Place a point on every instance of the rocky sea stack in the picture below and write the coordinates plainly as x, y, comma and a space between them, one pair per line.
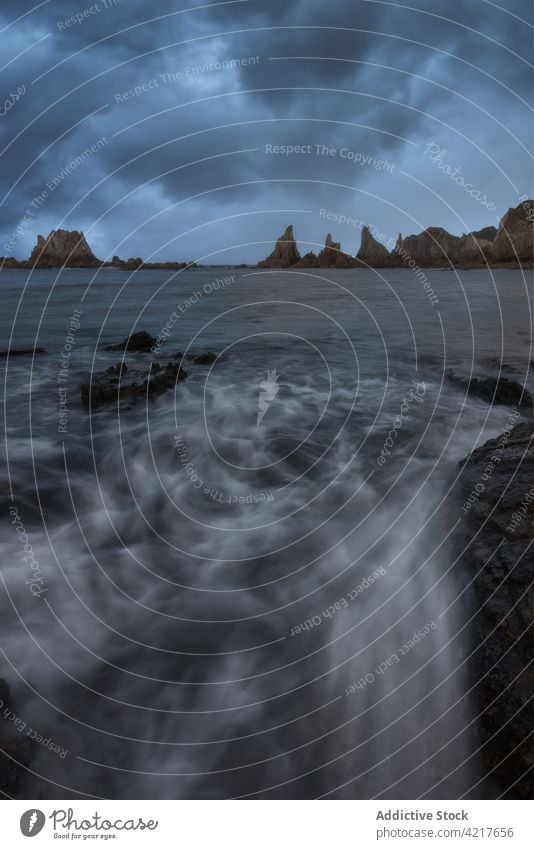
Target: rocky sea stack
285, 252
63, 248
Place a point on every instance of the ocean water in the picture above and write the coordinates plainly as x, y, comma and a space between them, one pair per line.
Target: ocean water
247, 586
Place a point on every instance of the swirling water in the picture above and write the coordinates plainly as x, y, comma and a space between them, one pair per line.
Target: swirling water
227, 608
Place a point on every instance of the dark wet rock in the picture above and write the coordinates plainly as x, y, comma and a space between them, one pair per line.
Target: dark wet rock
118, 368
21, 352
15, 755
205, 359
494, 390
106, 388
140, 341
497, 567
15, 749
495, 364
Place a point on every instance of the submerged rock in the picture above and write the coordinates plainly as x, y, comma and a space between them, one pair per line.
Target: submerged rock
140, 341
112, 386
204, 359
494, 390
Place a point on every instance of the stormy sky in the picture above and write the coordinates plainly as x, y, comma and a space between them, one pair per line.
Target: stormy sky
153, 127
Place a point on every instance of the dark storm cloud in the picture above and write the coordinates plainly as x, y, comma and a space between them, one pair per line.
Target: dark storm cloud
373, 78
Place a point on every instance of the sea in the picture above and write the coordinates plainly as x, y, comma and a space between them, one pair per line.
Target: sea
247, 587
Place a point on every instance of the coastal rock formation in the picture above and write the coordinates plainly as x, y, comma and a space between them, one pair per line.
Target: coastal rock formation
509, 246
495, 546
122, 383
10, 262
285, 253
139, 341
67, 248
118, 384
494, 390
373, 253
136, 263
515, 237
487, 234
309, 260
332, 256
435, 247
131, 264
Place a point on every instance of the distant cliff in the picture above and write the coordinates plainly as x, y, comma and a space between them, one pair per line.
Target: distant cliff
510, 245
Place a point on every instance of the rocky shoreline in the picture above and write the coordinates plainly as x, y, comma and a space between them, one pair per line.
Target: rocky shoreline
495, 568
509, 246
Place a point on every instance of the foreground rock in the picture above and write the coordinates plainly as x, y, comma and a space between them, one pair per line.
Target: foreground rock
494, 390
21, 352
15, 749
63, 248
285, 252
495, 544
